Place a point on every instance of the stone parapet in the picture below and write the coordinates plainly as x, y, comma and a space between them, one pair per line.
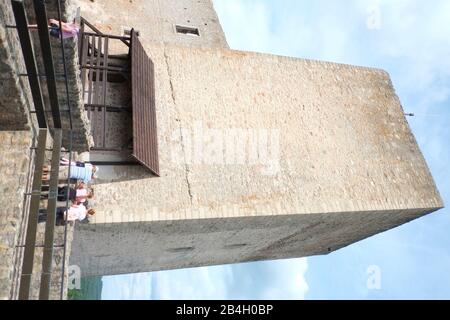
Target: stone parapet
15, 97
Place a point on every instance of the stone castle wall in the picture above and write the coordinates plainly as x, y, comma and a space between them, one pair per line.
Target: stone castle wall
122, 248
338, 126
15, 97
81, 138
17, 132
16, 167
14, 170
337, 163
156, 20
15, 141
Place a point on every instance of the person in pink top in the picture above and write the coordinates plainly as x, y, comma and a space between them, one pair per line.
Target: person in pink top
77, 195
81, 195
69, 29
75, 212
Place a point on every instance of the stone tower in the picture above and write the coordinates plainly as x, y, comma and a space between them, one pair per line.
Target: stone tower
261, 157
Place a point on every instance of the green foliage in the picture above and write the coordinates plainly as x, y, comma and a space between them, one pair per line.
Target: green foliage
74, 294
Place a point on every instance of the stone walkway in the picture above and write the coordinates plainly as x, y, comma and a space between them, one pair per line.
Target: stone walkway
15, 155
14, 168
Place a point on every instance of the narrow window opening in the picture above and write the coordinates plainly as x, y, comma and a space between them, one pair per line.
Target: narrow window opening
188, 30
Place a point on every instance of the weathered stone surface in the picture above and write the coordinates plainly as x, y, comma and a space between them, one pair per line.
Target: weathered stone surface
58, 257
14, 160
327, 156
16, 157
342, 165
120, 248
15, 97
16, 166
14, 90
156, 20
81, 138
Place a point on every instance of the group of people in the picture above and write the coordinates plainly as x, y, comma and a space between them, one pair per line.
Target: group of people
78, 173
81, 175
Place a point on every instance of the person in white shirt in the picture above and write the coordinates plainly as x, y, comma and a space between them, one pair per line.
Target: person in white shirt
75, 212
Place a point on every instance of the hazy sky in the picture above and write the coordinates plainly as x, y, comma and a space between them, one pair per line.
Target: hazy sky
411, 40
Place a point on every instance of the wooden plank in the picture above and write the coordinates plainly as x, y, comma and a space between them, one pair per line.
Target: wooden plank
154, 129
83, 58
105, 83
81, 44
90, 85
108, 108
90, 25
30, 241
125, 40
98, 82
47, 260
145, 138
92, 89
97, 91
110, 69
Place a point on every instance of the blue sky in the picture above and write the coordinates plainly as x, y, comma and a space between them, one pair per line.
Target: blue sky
411, 40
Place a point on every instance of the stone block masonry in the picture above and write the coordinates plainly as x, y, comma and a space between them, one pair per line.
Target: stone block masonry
15, 97
14, 168
15, 142
339, 164
156, 20
82, 139
16, 136
262, 157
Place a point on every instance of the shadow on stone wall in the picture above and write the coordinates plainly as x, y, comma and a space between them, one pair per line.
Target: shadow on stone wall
110, 174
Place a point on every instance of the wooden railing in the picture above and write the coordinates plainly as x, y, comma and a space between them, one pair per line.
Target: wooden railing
40, 149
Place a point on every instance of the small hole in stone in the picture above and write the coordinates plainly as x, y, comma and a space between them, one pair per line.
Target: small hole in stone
180, 250
235, 246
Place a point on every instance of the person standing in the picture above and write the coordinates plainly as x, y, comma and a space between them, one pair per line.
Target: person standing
75, 212
69, 29
79, 194
85, 174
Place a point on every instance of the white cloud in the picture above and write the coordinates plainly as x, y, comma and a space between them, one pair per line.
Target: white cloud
288, 281
127, 287
199, 283
245, 18
327, 30
267, 280
262, 281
